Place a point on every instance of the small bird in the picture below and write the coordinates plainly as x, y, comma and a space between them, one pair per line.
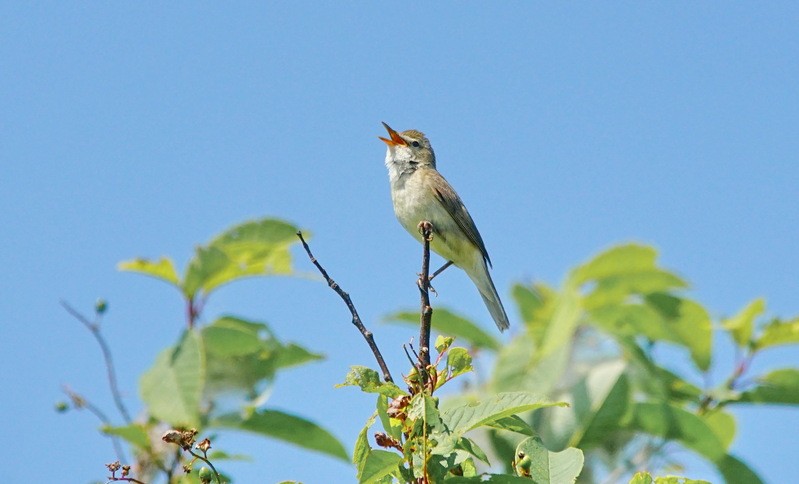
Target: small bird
419, 193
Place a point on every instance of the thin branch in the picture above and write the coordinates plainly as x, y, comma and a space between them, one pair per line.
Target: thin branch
94, 329
79, 402
408, 355
426, 228
356, 320
113, 467
125, 479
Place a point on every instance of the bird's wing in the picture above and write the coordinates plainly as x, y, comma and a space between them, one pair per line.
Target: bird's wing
452, 203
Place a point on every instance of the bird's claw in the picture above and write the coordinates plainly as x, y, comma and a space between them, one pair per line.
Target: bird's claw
426, 229
429, 286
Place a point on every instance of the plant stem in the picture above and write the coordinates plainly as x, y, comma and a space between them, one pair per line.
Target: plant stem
94, 329
78, 401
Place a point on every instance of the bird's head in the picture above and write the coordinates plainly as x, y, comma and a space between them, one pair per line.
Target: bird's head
409, 149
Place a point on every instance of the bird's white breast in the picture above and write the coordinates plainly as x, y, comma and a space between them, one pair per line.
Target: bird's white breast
415, 201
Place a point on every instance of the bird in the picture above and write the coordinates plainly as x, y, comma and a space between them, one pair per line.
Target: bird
420, 193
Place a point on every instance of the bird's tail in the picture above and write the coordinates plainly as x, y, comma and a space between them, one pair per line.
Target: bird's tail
482, 279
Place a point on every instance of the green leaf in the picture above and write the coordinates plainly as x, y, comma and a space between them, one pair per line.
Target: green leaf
230, 336
533, 460
530, 300
633, 320
674, 423
163, 269
536, 305
603, 405
459, 361
393, 427
597, 402
690, 324
517, 368
443, 343
655, 381
472, 448
662, 317
645, 478
429, 428
241, 355
370, 382
488, 478
134, 434
779, 386
173, 386
379, 464
513, 423
679, 480
737, 472
723, 426
293, 354
742, 324
254, 248
288, 428
448, 323
560, 330
424, 409
216, 455
617, 261
207, 264
616, 289
469, 416
362, 446
778, 333
468, 468
621, 272
642, 478
257, 236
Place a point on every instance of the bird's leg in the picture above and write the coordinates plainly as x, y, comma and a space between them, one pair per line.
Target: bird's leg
430, 279
440, 270
429, 286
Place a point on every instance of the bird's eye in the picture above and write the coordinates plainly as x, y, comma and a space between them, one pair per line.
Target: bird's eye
415, 144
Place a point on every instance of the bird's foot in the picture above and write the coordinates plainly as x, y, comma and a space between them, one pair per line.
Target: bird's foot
421, 284
426, 229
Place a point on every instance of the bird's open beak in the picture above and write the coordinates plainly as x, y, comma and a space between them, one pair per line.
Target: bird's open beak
396, 139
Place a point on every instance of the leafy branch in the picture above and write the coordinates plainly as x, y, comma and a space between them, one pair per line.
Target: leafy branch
230, 358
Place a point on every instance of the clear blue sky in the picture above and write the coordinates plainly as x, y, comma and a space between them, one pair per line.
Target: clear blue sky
136, 129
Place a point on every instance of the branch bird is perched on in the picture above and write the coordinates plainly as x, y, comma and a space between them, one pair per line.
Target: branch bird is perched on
419, 192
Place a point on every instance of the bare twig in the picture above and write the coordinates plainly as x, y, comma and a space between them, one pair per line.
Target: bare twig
426, 228
113, 467
79, 402
125, 479
94, 329
356, 320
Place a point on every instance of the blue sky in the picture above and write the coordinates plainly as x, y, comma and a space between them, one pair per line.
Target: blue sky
136, 129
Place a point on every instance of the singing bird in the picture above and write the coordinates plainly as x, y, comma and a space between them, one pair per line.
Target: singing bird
419, 193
